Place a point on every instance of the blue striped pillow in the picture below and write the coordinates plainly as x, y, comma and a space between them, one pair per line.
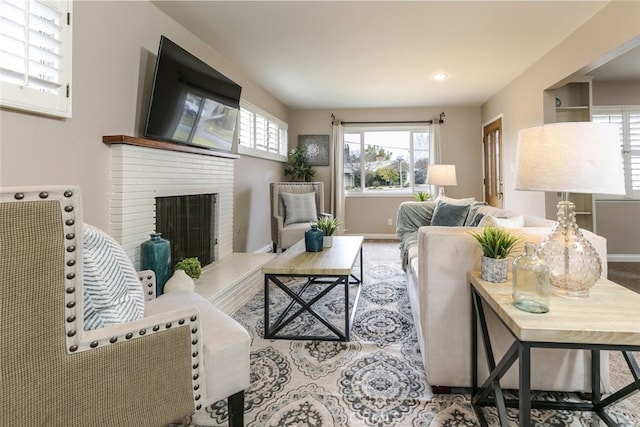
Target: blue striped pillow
112, 292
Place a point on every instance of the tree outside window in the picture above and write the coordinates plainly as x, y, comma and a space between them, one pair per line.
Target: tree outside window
390, 160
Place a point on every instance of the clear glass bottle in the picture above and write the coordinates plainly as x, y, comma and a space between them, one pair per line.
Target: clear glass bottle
530, 281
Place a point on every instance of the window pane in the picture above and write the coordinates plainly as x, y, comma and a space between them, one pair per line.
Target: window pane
393, 160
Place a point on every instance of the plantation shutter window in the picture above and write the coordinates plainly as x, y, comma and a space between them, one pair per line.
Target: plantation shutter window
628, 120
35, 56
261, 135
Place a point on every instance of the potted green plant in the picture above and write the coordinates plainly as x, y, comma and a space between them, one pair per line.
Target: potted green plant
298, 168
328, 225
421, 196
191, 266
496, 244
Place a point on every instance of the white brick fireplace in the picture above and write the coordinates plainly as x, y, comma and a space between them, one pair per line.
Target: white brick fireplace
140, 174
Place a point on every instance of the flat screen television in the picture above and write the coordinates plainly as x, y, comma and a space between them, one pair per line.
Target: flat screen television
191, 103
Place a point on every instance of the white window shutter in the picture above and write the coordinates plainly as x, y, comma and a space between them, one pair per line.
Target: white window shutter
35, 56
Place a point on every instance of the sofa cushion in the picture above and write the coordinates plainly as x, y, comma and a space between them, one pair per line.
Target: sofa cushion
299, 207
511, 222
474, 217
111, 289
452, 201
449, 214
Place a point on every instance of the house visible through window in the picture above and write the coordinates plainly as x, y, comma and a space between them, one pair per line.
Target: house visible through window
628, 119
386, 160
261, 135
35, 56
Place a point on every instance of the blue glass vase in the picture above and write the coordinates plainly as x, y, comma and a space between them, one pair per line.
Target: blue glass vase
155, 254
313, 239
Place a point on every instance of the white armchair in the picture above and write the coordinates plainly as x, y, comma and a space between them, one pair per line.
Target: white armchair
181, 355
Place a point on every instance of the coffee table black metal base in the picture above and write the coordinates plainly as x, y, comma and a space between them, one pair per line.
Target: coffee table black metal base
299, 305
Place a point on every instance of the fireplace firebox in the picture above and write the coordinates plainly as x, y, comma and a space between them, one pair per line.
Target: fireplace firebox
189, 223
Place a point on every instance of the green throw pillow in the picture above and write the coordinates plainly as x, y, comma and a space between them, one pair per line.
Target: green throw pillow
449, 215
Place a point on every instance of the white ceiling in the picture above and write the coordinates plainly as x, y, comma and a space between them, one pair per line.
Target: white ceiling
366, 54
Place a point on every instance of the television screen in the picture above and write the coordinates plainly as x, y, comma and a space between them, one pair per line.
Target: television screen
191, 103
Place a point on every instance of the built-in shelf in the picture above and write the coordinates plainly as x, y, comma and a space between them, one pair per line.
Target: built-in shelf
162, 145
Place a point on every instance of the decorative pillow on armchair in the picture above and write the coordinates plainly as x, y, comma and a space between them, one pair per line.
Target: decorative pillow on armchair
299, 207
450, 215
111, 289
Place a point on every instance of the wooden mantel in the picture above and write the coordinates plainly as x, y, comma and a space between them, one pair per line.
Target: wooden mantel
162, 145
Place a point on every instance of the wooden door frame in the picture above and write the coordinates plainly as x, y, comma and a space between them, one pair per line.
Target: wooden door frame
495, 197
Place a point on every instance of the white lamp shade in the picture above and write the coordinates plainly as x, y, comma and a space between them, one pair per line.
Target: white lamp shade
441, 175
574, 157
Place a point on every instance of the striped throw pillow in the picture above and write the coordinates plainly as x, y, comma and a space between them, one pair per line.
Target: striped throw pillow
112, 291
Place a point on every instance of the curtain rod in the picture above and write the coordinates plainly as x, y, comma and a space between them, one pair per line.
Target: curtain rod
439, 121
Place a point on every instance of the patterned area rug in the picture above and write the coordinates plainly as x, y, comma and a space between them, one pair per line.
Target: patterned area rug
376, 379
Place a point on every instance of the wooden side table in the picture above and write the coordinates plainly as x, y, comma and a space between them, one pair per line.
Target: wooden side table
609, 319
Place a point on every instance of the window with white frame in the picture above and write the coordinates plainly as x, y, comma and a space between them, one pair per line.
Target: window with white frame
35, 56
261, 135
386, 159
628, 119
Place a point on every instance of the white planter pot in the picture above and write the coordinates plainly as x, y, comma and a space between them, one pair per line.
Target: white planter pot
327, 241
494, 270
180, 281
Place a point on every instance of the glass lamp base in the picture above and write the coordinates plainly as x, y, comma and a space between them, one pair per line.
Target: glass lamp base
574, 264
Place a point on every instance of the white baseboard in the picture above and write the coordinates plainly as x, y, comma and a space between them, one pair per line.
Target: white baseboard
623, 257
264, 250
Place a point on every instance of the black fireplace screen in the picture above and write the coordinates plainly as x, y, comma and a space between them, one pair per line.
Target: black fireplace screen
189, 224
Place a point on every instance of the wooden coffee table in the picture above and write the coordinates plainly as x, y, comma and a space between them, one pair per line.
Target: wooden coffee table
608, 319
329, 268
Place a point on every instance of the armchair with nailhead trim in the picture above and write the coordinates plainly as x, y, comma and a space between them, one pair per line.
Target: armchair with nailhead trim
183, 355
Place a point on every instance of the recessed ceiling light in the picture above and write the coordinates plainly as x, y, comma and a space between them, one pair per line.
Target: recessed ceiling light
439, 76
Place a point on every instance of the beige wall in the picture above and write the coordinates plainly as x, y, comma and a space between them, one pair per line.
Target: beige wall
616, 93
114, 48
619, 222
461, 145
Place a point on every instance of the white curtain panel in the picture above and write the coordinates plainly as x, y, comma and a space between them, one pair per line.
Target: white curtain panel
435, 151
337, 178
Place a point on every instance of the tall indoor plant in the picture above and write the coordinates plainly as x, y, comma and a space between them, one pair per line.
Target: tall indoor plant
496, 244
298, 168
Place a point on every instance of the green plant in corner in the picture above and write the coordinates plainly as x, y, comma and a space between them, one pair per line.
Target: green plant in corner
298, 169
191, 266
495, 242
327, 224
421, 196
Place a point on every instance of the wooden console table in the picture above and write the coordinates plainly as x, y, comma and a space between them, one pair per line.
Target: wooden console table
608, 319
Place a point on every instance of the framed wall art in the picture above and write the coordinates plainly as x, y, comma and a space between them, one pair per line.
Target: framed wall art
316, 147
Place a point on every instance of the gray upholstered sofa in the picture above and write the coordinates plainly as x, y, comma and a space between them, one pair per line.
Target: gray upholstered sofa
436, 260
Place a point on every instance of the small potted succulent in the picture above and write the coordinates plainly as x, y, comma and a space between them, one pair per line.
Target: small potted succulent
328, 225
496, 244
421, 196
191, 266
